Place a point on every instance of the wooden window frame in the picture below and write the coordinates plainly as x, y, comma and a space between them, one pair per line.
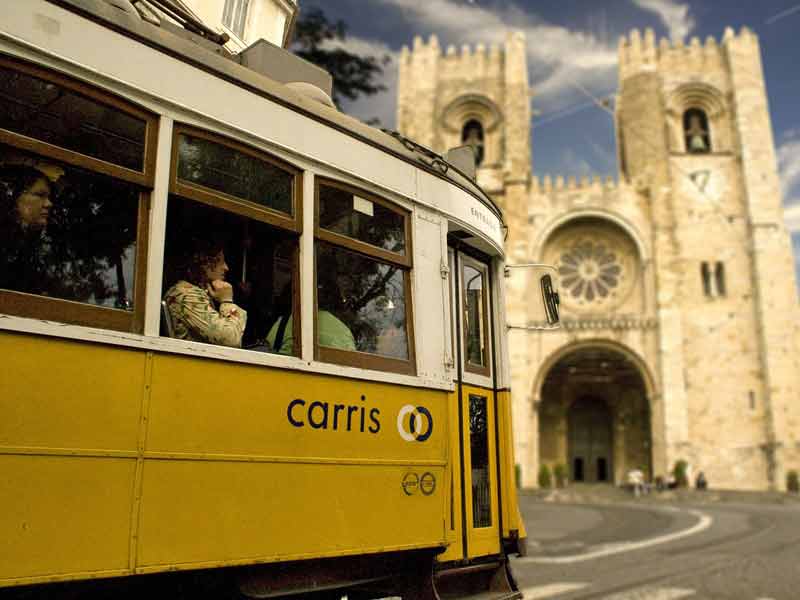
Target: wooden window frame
144, 178
245, 208
240, 206
358, 359
72, 312
361, 247
484, 268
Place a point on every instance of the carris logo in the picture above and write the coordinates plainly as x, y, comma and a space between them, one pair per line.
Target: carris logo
414, 423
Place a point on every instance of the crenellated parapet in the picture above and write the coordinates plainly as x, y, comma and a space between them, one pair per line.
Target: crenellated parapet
638, 53
595, 184
466, 61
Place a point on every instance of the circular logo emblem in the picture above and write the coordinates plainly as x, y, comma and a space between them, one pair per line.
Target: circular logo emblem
427, 483
410, 483
414, 423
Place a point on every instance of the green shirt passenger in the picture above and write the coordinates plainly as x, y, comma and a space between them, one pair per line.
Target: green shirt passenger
331, 332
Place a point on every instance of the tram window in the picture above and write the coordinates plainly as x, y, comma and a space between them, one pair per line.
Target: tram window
363, 280
75, 170
53, 113
234, 172
364, 219
479, 459
362, 304
231, 257
67, 233
475, 318
259, 266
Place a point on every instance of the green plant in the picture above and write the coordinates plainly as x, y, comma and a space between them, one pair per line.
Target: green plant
518, 475
545, 478
560, 472
680, 473
793, 482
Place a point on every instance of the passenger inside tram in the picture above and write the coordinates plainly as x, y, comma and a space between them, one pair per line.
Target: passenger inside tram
331, 331
59, 244
254, 268
201, 303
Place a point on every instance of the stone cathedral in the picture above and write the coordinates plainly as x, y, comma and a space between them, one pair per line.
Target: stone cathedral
678, 295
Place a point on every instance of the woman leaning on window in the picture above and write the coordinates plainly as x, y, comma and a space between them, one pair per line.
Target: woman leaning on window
201, 303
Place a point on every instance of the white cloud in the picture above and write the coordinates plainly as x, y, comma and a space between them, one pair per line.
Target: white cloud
789, 165
557, 56
789, 169
674, 15
574, 165
381, 106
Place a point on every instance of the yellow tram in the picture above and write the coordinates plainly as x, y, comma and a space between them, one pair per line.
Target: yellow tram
326, 407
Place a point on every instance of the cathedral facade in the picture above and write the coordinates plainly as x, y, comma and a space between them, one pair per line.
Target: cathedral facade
678, 295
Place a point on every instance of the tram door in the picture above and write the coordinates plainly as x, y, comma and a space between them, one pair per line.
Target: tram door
475, 403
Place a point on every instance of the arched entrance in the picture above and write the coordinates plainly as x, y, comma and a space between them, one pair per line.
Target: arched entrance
594, 416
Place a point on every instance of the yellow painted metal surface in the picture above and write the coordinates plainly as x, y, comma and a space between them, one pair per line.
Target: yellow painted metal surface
481, 541
62, 515
510, 507
453, 520
115, 461
61, 394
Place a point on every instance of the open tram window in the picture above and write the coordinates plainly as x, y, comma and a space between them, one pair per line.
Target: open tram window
231, 258
73, 214
363, 280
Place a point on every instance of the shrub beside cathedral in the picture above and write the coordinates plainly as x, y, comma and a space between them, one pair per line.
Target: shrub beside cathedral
677, 283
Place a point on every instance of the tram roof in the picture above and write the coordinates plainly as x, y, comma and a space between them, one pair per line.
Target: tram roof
226, 68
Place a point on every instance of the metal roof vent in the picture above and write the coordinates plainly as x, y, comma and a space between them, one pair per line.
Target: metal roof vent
312, 92
283, 66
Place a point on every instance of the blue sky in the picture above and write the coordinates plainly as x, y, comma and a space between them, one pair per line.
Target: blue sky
575, 41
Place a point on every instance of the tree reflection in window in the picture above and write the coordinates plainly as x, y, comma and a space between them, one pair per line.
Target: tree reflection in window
85, 248
365, 295
238, 174
479, 455
475, 318
589, 270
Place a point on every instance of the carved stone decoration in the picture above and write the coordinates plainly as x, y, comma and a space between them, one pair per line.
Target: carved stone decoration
597, 265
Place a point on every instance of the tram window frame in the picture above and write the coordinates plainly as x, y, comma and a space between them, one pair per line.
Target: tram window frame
465, 259
240, 206
246, 208
74, 312
360, 359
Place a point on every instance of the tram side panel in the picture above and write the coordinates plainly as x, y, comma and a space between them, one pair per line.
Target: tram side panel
280, 465
237, 464
69, 428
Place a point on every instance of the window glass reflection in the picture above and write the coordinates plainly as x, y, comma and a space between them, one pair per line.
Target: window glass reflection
479, 458
67, 233
362, 219
54, 114
474, 316
361, 303
235, 173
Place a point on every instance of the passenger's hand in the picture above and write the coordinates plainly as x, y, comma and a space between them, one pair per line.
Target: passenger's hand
220, 290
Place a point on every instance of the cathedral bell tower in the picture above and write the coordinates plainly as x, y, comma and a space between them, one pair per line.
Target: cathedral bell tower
694, 135
476, 96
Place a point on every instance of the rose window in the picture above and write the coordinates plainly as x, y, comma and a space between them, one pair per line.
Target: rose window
589, 270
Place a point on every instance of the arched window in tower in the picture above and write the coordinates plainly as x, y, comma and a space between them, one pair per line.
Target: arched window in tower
695, 131
472, 135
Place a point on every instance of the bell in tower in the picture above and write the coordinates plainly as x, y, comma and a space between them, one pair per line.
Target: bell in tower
472, 135
695, 125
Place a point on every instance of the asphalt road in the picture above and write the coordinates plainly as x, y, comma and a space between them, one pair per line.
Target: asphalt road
641, 551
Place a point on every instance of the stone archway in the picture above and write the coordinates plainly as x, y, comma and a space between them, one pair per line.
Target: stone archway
594, 415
